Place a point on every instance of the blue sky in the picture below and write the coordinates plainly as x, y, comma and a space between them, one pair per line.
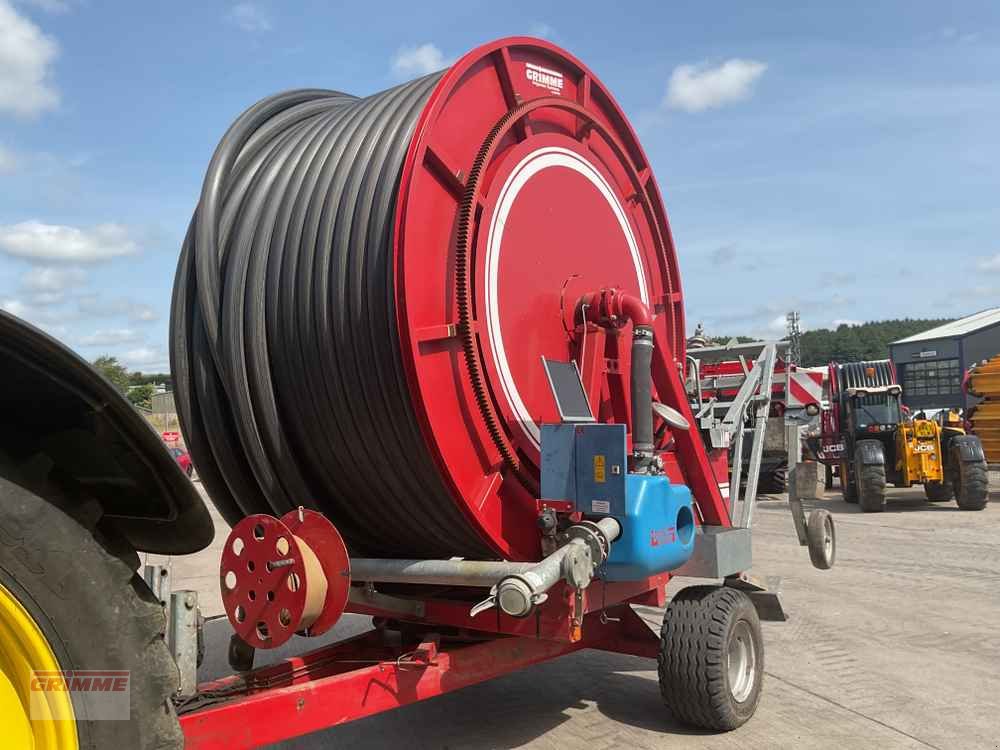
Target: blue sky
836, 158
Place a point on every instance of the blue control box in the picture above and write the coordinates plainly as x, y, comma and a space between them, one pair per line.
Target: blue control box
586, 464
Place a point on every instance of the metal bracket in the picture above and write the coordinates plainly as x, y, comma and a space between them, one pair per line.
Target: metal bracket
367, 595
766, 601
185, 638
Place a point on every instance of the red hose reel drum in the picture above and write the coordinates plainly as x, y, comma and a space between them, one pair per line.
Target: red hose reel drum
524, 188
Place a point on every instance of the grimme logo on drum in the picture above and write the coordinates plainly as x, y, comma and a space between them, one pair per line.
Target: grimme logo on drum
544, 77
103, 694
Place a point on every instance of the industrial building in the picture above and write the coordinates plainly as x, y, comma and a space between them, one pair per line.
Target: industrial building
931, 365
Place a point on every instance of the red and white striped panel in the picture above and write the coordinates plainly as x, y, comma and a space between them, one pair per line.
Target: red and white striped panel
804, 388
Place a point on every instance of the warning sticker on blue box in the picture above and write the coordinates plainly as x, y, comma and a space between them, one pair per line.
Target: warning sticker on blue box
600, 506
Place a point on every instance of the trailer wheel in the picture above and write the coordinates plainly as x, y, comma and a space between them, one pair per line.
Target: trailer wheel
870, 481
939, 492
822, 539
847, 487
711, 661
70, 600
970, 480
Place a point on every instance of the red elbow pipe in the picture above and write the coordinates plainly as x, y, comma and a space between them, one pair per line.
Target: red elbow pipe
613, 306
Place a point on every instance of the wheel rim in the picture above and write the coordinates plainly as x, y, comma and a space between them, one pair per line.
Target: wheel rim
24, 649
828, 538
742, 662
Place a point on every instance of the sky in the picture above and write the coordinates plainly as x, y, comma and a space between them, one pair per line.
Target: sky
840, 159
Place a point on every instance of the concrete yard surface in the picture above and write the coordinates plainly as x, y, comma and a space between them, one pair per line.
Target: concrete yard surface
898, 646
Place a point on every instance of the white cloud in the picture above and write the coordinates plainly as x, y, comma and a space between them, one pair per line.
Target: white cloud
37, 314
50, 279
8, 161
96, 306
990, 264
410, 62
26, 57
250, 17
45, 299
149, 358
111, 337
778, 324
15, 307
43, 243
695, 88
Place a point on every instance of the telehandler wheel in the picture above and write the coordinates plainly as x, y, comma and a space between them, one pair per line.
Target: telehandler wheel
870, 481
847, 486
711, 661
821, 539
939, 492
70, 600
970, 479
773, 482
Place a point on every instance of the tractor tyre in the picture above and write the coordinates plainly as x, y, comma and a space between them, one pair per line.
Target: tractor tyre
773, 482
970, 479
939, 492
711, 660
870, 481
70, 599
847, 486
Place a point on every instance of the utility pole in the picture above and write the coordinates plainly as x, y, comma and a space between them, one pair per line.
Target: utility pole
794, 332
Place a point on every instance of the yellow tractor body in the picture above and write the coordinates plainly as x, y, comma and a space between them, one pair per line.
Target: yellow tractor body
918, 452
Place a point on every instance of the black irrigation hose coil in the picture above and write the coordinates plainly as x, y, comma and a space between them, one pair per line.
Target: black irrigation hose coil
289, 382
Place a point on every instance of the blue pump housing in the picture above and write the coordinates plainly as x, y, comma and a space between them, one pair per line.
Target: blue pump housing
657, 529
586, 464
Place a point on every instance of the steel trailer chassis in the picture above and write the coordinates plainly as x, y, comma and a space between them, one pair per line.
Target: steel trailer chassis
427, 656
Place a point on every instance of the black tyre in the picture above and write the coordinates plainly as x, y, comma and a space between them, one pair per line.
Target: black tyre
80, 588
821, 538
847, 486
969, 478
711, 661
870, 481
939, 492
773, 482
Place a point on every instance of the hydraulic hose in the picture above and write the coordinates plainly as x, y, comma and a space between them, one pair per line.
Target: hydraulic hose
611, 307
641, 388
288, 375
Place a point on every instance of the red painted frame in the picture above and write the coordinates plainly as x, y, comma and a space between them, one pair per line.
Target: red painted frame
326, 687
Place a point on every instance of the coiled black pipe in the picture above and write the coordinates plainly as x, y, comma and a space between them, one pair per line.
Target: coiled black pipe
285, 354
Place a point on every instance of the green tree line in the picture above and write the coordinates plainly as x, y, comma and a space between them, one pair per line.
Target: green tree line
850, 343
853, 343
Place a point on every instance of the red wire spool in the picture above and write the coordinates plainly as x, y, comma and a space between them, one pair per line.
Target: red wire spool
283, 576
519, 187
